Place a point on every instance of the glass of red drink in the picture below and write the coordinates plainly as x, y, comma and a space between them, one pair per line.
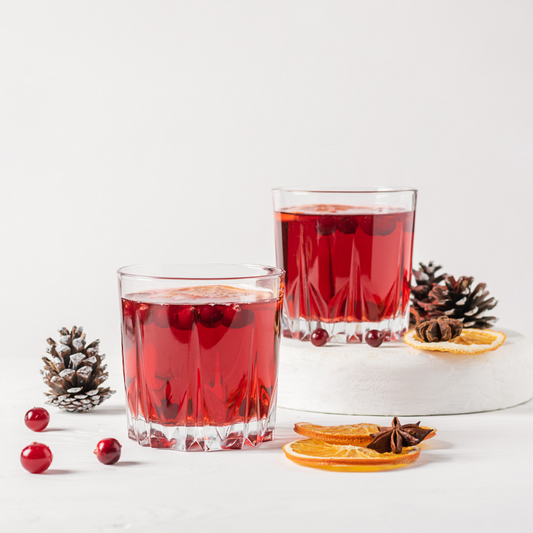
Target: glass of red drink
200, 353
347, 256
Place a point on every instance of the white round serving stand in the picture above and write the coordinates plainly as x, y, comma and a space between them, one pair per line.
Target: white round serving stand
396, 379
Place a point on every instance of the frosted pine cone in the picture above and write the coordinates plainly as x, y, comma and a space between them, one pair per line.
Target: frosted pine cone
74, 372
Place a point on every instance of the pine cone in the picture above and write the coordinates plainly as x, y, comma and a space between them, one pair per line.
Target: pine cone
456, 299
425, 281
440, 330
75, 372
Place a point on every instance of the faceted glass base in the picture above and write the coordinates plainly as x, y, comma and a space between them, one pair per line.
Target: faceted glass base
345, 332
206, 438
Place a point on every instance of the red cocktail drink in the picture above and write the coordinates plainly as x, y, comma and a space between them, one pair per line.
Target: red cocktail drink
200, 365
348, 269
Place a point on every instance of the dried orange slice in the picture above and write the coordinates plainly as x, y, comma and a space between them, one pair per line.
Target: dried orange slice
202, 294
317, 453
471, 341
354, 434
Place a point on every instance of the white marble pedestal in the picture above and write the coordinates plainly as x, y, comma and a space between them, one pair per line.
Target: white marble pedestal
396, 379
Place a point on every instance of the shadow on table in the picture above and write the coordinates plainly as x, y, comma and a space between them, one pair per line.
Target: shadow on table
128, 463
433, 458
282, 436
57, 472
435, 444
110, 410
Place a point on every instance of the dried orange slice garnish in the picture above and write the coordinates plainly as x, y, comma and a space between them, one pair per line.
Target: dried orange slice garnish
354, 434
317, 453
471, 341
205, 294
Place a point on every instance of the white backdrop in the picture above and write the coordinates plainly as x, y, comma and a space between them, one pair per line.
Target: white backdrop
153, 131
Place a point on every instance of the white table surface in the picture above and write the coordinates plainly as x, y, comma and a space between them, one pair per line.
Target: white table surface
476, 475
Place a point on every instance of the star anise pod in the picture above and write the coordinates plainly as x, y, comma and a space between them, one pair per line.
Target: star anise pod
440, 330
393, 439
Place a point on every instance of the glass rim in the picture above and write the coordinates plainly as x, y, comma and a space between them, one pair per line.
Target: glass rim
270, 271
347, 190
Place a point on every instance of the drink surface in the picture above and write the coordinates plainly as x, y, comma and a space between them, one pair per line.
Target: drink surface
345, 263
201, 294
200, 356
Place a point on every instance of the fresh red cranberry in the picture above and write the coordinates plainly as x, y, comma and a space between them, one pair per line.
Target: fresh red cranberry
374, 338
108, 451
211, 315
36, 458
144, 313
37, 418
319, 337
347, 225
326, 225
160, 315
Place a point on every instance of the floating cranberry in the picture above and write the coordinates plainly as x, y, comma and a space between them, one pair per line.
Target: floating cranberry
319, 337
36, 458
128, 312
245, 318
128, 308
37, 418
231, 315
182, 317
236, 317
326, 225
187, 317
144, 313
160, 315
374, 338
347, 225
108, 451
382, 225
366, 223
211, 315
